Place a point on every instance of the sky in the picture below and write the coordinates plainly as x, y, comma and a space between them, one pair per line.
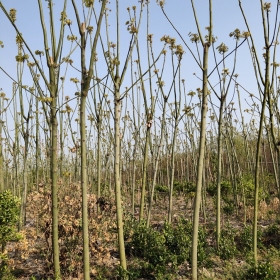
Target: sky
226, 18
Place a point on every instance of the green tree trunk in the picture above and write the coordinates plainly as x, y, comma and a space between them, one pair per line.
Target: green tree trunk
200, 163
54, 171
117, 140
1, 147
86, 78
144, 175
84, 186
202, 140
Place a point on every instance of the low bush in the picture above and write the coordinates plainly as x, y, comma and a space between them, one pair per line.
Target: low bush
9, 215
160, 252
271, 236
244, 240
246, 185
264, 271
227, 246
228, 208
161, 189
212, 189
185, 187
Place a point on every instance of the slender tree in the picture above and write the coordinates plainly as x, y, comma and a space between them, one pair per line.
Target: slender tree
264, 97
53, 60
86, 78
204, 108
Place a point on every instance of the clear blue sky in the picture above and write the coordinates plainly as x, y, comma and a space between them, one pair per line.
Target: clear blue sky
226, 17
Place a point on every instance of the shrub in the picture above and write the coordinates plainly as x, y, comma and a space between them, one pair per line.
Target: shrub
246, 183
264, 271
5, 271
229, 208
178, 241
162, 189
212, 189
160, 252
227, 247
9, 215
149, 245
226, 189
271, 236
244, 241
186, 187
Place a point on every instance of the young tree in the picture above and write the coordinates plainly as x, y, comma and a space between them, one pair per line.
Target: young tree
53, 61
86, 78
2, 96
265, 86
205, 43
